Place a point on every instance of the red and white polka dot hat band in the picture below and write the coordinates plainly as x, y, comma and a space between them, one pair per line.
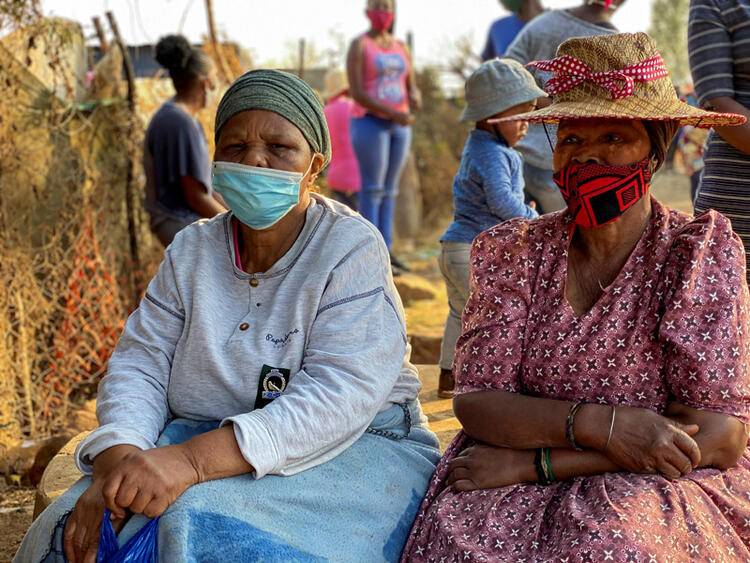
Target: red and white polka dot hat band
620, 76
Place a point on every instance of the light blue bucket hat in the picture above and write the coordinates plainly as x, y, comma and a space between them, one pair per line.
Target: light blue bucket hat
497, 85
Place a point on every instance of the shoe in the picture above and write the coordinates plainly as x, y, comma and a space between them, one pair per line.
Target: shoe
446, 384
403, 266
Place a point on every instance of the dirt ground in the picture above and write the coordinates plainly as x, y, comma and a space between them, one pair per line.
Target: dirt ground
16, 507
424, 317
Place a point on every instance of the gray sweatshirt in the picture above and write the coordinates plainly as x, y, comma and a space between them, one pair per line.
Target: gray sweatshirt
318, 340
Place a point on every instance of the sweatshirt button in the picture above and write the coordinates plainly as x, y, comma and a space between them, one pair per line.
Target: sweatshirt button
254, 282
244, 326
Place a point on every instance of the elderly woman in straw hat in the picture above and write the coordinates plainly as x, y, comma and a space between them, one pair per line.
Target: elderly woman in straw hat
261, 399
602, 368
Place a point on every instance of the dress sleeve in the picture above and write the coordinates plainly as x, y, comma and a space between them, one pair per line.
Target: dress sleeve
710, 51
705, 324
132, 405
354, 356
490, 348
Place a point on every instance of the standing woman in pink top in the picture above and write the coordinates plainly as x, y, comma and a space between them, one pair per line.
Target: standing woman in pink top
381, 81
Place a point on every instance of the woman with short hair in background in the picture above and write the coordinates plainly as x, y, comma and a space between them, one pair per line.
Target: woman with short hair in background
504, 30
175, 153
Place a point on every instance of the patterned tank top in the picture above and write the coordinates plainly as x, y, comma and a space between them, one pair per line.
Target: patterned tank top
385, 72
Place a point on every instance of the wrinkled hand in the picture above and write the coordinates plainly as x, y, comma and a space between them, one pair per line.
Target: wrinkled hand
148, 482
488, 467
646, 442
81, 536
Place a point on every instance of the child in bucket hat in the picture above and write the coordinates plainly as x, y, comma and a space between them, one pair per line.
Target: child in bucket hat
488, 188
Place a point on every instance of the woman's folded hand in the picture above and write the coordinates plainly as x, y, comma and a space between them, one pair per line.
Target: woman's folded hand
148, 482
489, 467
646, 442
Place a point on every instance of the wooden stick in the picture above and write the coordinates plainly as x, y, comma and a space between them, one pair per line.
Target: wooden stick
129, 191
218, 54
301, 67
103, 43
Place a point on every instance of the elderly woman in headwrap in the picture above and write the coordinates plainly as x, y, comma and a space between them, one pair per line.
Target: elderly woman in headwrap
603, 363
261, 399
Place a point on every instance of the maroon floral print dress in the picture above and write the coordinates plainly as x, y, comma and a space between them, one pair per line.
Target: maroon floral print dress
673, 326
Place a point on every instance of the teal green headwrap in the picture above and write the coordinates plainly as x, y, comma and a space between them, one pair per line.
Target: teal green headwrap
282, 93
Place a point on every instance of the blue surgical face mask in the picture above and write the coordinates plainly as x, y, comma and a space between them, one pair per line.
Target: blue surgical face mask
258, 197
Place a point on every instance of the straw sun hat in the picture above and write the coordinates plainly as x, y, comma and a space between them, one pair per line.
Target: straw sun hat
618, 76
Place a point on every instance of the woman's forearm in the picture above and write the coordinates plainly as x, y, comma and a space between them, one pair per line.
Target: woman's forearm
511, 420
216, 455
199, 199
567, 464
738, 136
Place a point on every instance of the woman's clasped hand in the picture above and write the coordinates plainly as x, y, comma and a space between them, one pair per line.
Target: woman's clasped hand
646, 442
148, 482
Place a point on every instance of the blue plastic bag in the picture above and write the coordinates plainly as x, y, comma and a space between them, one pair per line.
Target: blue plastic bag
141, 548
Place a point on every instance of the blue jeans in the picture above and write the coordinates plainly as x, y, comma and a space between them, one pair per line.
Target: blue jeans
382, 148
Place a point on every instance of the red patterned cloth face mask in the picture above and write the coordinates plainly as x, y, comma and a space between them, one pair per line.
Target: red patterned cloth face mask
598, 194
380, 20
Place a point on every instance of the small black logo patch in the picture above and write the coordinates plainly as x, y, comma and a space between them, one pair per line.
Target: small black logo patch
271, 385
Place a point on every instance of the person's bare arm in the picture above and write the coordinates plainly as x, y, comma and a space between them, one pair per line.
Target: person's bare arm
148, 482
738, 136
489, 467
354, 71
216, 455
642, 440
199, 199
415, 96
512, 420
722, 441
722, 438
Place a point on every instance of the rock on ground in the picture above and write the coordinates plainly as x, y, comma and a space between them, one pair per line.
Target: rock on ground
412, 287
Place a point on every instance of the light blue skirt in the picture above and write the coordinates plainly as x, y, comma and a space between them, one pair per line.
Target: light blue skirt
356, 507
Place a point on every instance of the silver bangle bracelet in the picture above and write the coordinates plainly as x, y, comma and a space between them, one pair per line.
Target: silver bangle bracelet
611, 427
